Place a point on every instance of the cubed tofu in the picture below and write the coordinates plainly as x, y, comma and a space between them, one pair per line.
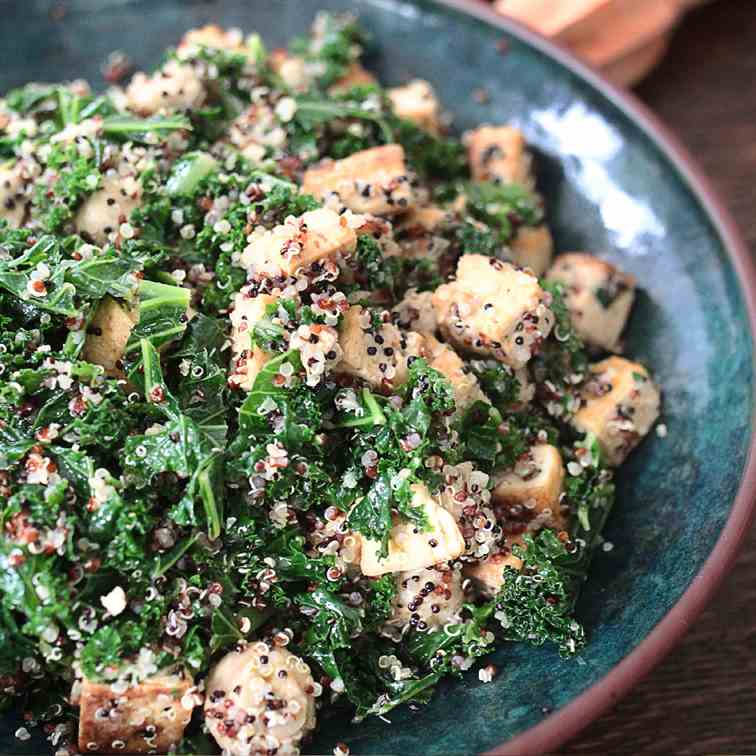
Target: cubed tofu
371, 181
260, 699
418, 232
300, 242
427, 599
410, 548
147, 718
492, 308
376, 355
620, 405
498, 153
532, 247
176, 86
13, 201
293, 70
422, 218
355, 76
416, 101
247, 360
598, 295
102, 213
108, 334
466, 388
487, 575
415, 312
533, 489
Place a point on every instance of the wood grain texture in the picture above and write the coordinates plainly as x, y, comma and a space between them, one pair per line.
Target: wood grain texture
702, 698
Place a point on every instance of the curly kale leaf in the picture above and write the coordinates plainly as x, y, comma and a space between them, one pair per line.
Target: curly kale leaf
432, 157
474, 239
502, 207
180, 446
498, 382
589, 495
77, 177
374, 271
202, 389
535, 605
562, 362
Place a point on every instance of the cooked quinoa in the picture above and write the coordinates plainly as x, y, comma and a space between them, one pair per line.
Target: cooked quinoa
296, 412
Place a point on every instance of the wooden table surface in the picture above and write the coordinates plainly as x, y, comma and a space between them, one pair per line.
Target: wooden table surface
702, 698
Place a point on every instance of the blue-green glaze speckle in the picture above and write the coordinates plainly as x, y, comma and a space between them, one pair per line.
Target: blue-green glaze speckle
610, 190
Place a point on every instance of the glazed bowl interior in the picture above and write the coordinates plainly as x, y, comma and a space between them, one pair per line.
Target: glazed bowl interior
610, 188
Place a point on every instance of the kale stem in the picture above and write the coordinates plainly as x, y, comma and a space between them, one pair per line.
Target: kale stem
120, 125
375, 411
211, 509
174, 556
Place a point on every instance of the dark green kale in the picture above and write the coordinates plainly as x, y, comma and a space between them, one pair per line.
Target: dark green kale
535, 605
589, 495
561, 365
75, 177
503, 207
60, 104
387, 458
498, 382
162, 317
475, 239
432, 157
376, 272
199, 369
180, 446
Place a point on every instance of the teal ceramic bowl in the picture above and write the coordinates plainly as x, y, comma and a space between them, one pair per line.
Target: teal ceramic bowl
616, 184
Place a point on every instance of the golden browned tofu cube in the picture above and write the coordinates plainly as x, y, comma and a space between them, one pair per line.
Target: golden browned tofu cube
498, 153
13, 201
598, 295
443, 358
532, 491
488, 574
532, 247
492, 308
247, 360
260, 699
415, 312
371, 181
147, 718
409, 547
376, 355
427, 607
176, 86
108, 334
417, 102
620, 405
300, 242
102, 213
418, 232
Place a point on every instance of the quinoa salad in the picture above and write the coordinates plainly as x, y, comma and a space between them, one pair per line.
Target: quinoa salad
299, 412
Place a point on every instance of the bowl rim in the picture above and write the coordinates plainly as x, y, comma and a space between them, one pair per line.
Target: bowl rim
565, 723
